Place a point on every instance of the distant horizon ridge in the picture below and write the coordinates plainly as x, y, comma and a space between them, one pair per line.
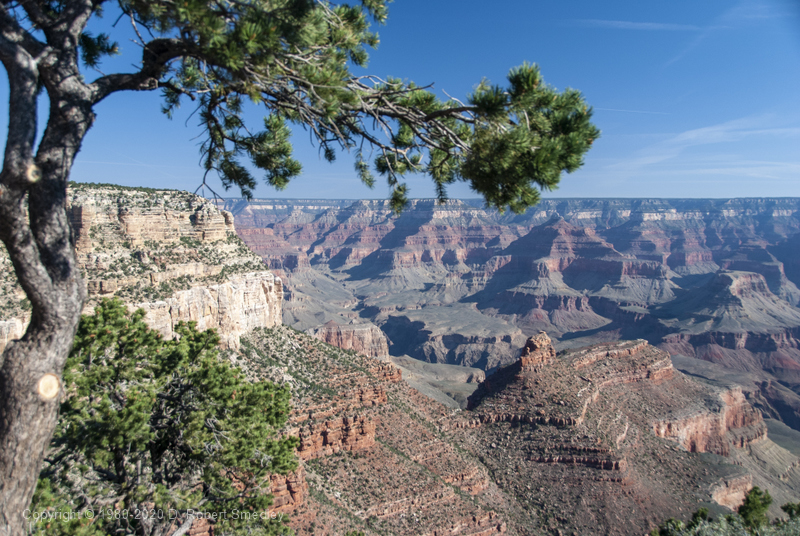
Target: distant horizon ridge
471, 199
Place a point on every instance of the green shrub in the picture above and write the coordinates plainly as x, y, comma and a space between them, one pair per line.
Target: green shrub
793, 509
162, 427
755, 506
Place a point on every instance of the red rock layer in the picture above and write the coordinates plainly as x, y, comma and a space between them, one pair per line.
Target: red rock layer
366, 339
386, 372
335, 435
483, 525
538, 350
371, 447
552, 268
736, 424
288, 491
584, 426
539, 390
277, 253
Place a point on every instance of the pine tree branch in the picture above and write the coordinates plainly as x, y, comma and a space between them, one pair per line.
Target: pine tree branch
156, 56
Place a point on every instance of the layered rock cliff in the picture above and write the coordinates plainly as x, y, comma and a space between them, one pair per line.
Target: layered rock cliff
365, 339
615, 424
734, 423
171, 253
369, 446
237, 306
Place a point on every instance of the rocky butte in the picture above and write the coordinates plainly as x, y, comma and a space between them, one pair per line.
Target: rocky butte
605, 439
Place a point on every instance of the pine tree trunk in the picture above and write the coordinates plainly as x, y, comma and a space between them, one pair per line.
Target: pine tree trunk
35, 229
27, 418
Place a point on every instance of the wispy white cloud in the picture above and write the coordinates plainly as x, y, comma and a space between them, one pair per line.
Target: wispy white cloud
744, 13
728, 132
691, 175
756, 10
630, 111
631, 25
778, 171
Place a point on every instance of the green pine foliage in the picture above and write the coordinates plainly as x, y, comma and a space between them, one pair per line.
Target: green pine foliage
754, 508
792, 509
527, 133
729, 526
294, 59
158, 428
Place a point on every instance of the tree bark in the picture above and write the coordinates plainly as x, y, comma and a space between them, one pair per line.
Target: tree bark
35, 229
36, 232
34, 226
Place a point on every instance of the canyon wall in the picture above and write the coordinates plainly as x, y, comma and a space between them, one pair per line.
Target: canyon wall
171, 253
233, 308
603, 424
610, 434
369, 446
712, 279
735, 423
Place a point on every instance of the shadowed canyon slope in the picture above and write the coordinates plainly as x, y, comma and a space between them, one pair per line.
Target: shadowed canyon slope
714, 280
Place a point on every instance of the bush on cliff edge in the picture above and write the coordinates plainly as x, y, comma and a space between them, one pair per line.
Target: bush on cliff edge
750, 521
154, 430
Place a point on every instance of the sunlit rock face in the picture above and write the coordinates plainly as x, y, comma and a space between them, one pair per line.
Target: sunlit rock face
171, 253
366, 339
238, 306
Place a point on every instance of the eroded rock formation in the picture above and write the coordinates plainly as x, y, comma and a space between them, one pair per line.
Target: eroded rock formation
538, 351
617, 421
734, 423
599, 440
335, 435
711, 279
289, 492
370, 445
366, 339
241, 304
171, 253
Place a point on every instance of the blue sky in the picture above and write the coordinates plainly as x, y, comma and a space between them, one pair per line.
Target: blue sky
694, 99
